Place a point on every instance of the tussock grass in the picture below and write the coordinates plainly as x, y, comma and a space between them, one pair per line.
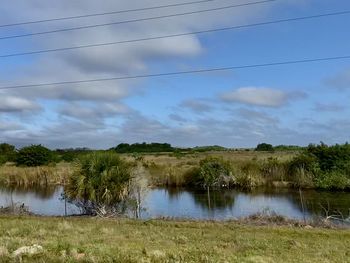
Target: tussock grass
35, 176
102, 240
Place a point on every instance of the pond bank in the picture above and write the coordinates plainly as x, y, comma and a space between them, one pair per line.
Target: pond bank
123, 240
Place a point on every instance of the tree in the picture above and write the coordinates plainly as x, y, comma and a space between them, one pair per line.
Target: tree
34, 155
7, 153
100, 183
264, 147
214, 171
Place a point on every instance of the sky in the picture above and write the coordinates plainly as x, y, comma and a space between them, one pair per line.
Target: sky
294, 104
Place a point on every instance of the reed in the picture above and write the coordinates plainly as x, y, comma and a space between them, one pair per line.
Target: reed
35, 176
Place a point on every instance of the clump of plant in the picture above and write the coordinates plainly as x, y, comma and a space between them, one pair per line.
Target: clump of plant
214, 172
7, 153
333, 180
100, 183
323, 166
248, 175
303, 169
34, 155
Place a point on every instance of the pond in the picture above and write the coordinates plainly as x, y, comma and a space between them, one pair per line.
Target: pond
194, 204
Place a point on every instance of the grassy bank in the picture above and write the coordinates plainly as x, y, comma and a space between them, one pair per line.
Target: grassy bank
102, 240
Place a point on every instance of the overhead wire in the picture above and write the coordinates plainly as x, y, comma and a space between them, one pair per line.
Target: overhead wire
176, 73
178, 35
105, 13
136, 20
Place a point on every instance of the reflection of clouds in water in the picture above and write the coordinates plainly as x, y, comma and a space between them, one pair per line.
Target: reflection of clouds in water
247, 205
235, 204
49, 203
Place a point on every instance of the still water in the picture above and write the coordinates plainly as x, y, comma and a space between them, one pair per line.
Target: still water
191, 203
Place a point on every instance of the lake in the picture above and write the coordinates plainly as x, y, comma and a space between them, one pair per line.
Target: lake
194, 204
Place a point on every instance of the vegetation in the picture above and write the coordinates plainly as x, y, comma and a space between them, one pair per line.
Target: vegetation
100, 181
7, 153
70, 155
214, 148
316, 166
288, 148
103, 240
143, 148
214, 172
264, 147
34, 155
35, 176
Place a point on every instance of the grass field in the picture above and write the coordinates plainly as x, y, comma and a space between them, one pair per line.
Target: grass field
122, 240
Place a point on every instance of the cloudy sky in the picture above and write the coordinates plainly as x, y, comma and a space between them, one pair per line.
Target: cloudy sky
286, 104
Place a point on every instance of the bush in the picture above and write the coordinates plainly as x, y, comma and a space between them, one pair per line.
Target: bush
7, 153
331, 157
333, 180
264, 147
100, 180
214, 171
304, 161
35, 155
324, 166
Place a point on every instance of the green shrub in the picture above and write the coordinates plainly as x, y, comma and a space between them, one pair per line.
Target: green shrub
100, 180
264, 147
214, 172
335, 157
7, 153
333, 180
305, 162
34, 155
3, 159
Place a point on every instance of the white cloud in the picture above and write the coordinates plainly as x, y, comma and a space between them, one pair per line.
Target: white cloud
16, 104
266, 97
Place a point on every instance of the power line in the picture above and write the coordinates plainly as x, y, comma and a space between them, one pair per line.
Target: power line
179, 72
136, 20
105, 13
177, 35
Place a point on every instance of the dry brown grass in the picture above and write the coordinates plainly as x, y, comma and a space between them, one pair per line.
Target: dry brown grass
27, 176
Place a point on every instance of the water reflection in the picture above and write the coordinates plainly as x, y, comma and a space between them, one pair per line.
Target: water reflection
41, 201
226, 204
192, 203
37, 191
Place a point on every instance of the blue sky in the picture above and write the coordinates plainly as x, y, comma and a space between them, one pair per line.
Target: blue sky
289, 104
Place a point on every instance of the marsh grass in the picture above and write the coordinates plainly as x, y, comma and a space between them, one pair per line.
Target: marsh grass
247, 169
35, 176
105, 240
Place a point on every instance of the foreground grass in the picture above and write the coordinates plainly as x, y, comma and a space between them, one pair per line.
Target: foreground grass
100, 240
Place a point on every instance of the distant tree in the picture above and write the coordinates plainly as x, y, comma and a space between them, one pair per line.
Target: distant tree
264, 147
7, 153
71, 154
34, 155
143, 147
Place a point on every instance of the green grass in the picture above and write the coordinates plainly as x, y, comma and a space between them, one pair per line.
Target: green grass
122, 240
